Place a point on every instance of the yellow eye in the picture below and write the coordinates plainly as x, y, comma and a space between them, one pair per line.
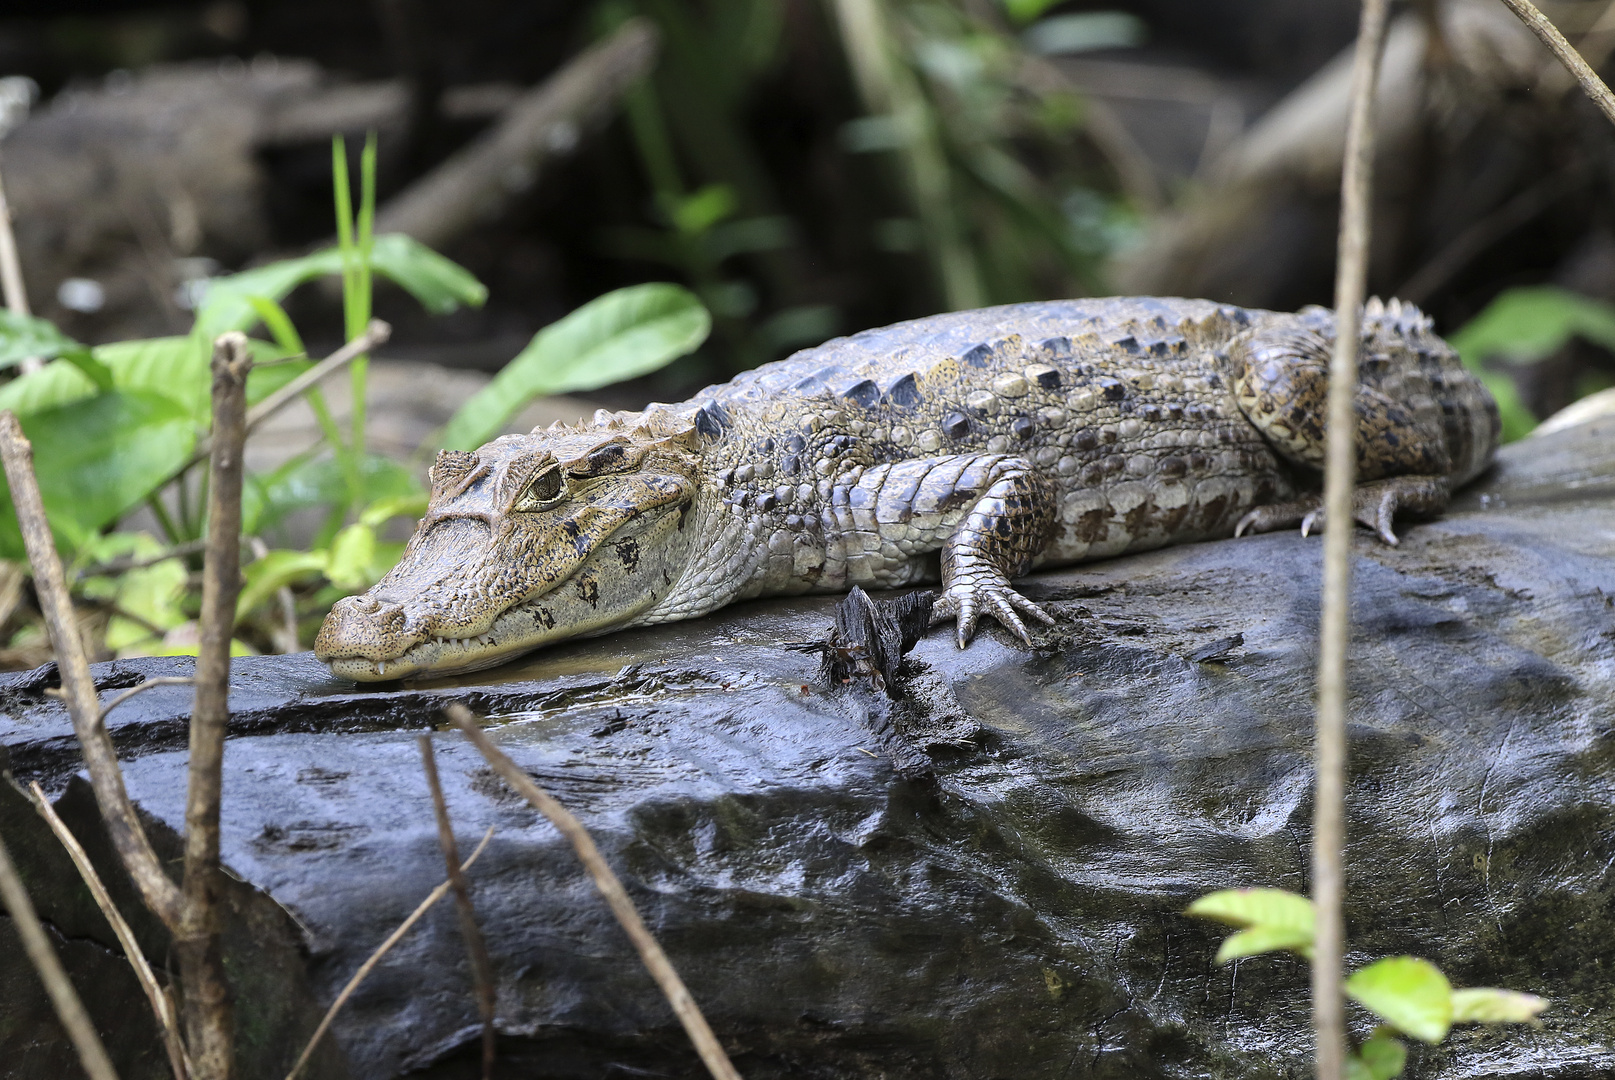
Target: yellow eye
545, 491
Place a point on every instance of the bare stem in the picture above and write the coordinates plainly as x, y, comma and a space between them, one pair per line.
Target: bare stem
1329, 809
1567, 54
209, 1019
92, 1054
158, 891
11, 284
650, 952
160, 1005
375, 958
481, 965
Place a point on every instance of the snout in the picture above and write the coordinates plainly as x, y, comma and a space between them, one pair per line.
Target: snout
363, 626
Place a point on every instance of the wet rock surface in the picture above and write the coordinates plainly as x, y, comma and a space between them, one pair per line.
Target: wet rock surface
1012, 906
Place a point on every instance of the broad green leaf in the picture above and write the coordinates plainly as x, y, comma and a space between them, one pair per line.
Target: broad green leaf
263, 381
276, 569
617, 336
1406, 992
1380, 1058
22, 336
1265, 938
382, 511
437, 284
1256, 907
153, 595
352, 553
1527, 324
1024, 11
98, 458
306, 483
1488, 1005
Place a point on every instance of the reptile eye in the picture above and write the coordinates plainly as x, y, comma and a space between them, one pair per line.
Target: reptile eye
542, 493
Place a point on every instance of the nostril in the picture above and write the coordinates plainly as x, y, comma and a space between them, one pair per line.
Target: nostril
364, 605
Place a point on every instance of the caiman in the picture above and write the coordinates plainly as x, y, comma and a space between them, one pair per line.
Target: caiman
968, 448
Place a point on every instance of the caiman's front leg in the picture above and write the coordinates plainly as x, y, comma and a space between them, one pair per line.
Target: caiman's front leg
1004, 530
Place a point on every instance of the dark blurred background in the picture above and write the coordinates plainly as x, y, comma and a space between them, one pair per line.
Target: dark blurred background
809, 167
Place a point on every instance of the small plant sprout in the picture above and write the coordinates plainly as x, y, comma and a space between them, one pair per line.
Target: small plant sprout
1411, 996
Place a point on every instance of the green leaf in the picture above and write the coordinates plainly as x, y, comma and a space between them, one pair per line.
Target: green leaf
617, 336
227, 302
1380, 1058
153, 594
1527, 324
1024, 11
1261, 939
263, 381
22, 336
1408, 993
98, 458
382, 511
277, 569
1488, 1005
1256, 907
304, 483
352, 553
437, 284
278, 323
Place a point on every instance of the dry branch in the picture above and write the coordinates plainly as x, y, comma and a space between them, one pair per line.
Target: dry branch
1567, 54
158, 891
63, 997
481, 965
161, 680
375, 958
1328, 822
209, 1021
160, 1005
475, 184
650, 952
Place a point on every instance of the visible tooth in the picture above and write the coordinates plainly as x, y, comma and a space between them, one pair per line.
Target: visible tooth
381, 667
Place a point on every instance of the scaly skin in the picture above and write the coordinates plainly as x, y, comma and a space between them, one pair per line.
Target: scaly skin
969, 447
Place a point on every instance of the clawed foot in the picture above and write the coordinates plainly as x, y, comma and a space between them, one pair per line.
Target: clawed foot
967, 603
1374, 506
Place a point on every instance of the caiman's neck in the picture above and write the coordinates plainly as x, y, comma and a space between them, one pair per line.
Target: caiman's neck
724, 557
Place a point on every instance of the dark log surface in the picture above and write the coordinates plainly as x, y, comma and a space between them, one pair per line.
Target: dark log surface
1013, 910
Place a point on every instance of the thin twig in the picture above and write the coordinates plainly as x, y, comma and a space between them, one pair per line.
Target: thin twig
131, 562
161, 680
1329, 805
375, 334
160, 1004
92, 1054
11, 283
209, 1020
1567, 54
375, 958
481, 965
134, 849
650, 952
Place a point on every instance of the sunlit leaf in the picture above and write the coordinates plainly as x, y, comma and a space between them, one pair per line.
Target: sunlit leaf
1527, 324
98, 458
617, 336
305, 483
1406, 992
352, 553
437, 284
1264, 938
382, 511
1256, 907
276, 569
1488, 1005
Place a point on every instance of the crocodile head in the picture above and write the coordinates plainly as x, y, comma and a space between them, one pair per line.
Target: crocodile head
531, 539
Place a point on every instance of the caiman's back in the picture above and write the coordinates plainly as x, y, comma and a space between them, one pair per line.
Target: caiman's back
1148, 421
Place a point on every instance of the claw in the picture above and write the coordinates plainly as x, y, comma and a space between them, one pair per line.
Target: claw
1313, 519
968, 604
